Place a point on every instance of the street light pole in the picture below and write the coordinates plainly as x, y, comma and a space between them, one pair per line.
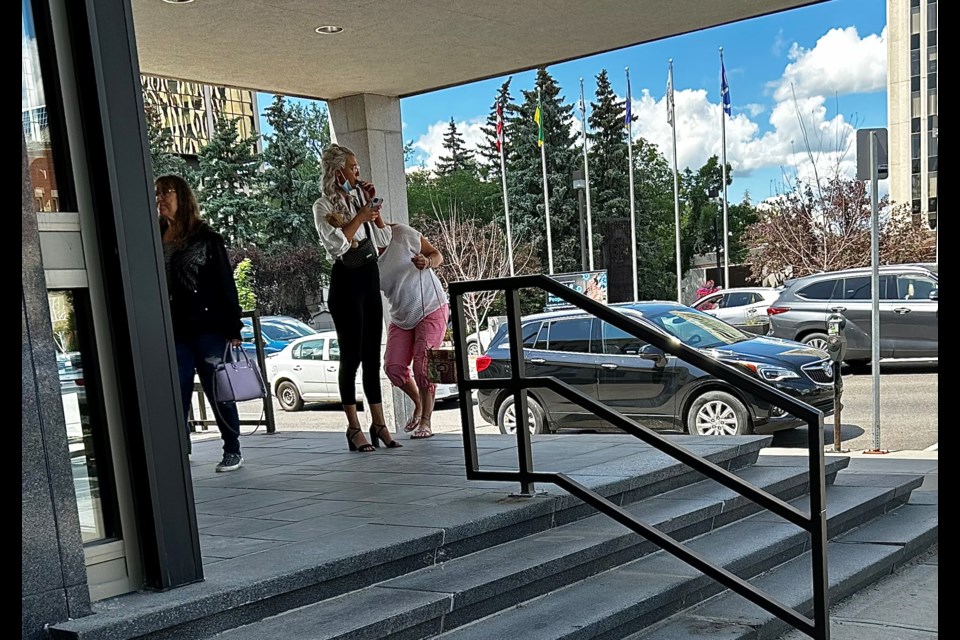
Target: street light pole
580, 183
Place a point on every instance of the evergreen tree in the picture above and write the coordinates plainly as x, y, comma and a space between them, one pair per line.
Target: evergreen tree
653, 202
609, 178
458, 157
160, 141
227, 178
525, 176
290, 181
487, 150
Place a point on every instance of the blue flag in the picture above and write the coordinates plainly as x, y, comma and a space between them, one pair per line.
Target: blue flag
629, 117
724, 89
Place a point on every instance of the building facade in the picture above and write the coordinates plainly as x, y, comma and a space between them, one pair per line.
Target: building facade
190, 111
912, 104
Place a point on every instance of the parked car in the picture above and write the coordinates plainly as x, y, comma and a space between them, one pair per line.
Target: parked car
477, 342
308, 369
655, 389
743, 307
276, 331
909, 316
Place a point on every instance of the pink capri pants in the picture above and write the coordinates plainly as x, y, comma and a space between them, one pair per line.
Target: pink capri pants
410, 345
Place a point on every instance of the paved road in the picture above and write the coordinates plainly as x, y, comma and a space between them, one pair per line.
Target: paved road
908, 413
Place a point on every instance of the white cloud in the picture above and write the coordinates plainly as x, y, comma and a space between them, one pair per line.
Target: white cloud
429, 146
840, 63
779, 44
799, 135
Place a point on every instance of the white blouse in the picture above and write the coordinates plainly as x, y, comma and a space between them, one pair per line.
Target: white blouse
332, 237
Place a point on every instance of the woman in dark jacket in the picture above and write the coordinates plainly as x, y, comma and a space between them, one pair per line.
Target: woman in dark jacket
203, 303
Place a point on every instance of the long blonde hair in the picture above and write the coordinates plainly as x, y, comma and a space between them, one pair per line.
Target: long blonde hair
334, 159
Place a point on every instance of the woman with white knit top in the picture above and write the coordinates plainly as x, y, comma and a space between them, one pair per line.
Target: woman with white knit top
418, 319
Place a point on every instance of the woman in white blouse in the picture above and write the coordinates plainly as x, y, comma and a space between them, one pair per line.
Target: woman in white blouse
348, 220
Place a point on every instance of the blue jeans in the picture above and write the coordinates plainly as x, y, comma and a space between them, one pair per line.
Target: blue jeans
201, 354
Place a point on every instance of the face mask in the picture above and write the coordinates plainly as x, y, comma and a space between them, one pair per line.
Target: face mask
345, 185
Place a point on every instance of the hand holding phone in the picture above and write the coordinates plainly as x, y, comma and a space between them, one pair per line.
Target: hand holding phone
376, 203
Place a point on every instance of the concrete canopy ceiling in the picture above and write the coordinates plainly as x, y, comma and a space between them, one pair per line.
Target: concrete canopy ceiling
402, 47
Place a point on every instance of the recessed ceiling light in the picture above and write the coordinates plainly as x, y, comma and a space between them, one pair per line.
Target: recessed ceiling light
178, 1
329, 30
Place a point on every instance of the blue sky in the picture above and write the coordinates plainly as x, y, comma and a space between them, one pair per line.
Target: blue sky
831, 56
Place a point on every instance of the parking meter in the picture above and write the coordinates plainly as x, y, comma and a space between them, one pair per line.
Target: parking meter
837, 350
836, 337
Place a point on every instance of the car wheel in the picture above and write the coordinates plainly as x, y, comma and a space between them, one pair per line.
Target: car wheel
507, 416
289, 397
718, 413
473, 349
816, 340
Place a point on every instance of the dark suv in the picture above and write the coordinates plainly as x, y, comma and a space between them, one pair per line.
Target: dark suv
909, 320
636, 378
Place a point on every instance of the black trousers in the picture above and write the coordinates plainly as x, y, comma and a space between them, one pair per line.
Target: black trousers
357, 311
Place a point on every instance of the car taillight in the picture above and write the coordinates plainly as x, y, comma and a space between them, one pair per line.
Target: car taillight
483, 363
772, 311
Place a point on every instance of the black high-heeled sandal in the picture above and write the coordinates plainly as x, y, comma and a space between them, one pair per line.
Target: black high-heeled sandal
376, 438
353, 432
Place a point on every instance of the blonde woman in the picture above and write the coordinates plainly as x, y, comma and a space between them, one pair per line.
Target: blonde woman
347, 217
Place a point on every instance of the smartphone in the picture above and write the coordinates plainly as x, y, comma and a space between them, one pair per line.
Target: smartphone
376, 203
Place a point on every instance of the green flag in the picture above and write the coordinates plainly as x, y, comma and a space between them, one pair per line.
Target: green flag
538, 118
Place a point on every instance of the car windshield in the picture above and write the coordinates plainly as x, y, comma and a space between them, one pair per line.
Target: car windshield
696, 329
284, 331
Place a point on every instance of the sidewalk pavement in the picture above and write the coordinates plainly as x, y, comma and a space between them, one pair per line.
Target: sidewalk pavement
905, 604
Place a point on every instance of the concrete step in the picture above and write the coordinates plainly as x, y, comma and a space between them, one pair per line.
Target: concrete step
502, 576
856, 559
638, 594
299, 574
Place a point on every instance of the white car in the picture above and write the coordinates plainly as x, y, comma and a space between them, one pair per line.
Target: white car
743, 307
307, 370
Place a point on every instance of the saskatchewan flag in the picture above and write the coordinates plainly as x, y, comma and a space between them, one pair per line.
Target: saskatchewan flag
538, 118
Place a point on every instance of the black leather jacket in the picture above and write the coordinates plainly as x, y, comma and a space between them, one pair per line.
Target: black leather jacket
203, 295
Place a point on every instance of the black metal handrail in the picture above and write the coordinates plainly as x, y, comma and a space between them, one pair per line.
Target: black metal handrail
814, 522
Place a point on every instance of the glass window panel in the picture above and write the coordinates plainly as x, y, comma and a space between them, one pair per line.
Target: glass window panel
915, 20
932, 59
89, 454
36, 119
570, 335
915, 63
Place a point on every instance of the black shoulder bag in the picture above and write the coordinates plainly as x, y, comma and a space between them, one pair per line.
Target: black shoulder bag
364, 253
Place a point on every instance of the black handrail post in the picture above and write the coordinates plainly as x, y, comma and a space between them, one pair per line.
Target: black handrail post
262, 363
518, 375
818, 528
464, 390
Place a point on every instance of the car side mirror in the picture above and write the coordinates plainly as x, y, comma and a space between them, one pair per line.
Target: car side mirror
650, 352
934, 295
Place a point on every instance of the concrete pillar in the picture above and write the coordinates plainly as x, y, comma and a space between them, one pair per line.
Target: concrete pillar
370, 126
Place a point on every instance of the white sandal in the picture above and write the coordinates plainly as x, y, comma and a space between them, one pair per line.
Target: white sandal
412, 424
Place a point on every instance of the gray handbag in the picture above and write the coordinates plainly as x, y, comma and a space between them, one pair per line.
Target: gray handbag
237, 378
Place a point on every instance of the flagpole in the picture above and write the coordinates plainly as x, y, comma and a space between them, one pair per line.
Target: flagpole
724, 90
503, 179
546, 193
672, 117
633, 213
586, 175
